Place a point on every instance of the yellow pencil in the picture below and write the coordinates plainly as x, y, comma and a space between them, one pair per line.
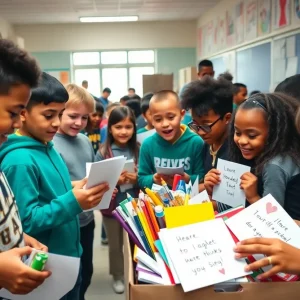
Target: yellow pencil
153, 197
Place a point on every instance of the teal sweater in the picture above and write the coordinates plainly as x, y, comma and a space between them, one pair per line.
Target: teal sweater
156, 151
42, 187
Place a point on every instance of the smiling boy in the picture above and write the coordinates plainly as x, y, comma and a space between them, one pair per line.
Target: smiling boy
173, 145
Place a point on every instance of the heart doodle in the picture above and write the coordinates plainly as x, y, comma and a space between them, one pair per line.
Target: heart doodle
270, 208
222, 271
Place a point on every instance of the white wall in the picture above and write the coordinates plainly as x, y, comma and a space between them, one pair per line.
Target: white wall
139, 35
6, 30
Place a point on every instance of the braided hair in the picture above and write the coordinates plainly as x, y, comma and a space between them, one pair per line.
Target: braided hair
283, 139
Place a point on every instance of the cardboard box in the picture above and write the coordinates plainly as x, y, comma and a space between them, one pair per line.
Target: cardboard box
250, 291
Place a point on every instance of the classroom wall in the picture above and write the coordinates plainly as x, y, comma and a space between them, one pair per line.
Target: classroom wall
6, 30
78, 37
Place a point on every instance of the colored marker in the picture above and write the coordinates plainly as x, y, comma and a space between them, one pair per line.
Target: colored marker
166, 202
160, 216
39, 261
164, 184
176, 179
129, 197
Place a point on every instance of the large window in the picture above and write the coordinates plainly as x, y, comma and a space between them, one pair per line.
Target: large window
117, 70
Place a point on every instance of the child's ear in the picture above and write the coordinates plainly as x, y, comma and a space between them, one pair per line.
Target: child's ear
23, 115
182, 113
227, 118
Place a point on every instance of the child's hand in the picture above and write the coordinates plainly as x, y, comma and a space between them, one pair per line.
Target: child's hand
131, 178
122, 178
186, 178
157, 178
167, 178
33, 243
90, 198
249, 185
115, 192
15, 276
282, 256
211, 179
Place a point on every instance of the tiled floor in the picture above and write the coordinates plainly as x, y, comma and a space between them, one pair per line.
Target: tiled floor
101, 289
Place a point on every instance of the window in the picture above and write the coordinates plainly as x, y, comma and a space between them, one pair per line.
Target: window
117, 70
135, 57
117, 57
86, 58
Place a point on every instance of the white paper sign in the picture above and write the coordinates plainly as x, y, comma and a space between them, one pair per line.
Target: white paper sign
229, 191
170, 170
129, 167
195, 188
202, 254
200, 198
108, 170
142, 136
265, 218
64, 270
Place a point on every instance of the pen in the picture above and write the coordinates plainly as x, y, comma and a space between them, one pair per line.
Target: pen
164, 184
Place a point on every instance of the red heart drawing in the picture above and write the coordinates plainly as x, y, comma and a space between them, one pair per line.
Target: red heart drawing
270, 208
222, 271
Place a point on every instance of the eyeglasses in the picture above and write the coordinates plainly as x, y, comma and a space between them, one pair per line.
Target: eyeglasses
206, 128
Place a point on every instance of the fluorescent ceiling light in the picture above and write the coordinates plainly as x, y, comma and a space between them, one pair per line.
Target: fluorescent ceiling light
109, 19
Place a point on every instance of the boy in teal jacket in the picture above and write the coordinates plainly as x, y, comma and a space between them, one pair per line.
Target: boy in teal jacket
40, 179
173, 145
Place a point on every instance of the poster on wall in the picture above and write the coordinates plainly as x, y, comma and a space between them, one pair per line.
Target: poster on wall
229, 59
281, 13
296, 11
239, 12
264, 17
62, 76
221, 32
199, 42
251, 20
209, 38
216, 45
230, 27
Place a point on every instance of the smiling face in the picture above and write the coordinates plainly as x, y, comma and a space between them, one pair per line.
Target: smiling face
122, 132
166, 117
41, 121
74, 120
251, 132
10, 107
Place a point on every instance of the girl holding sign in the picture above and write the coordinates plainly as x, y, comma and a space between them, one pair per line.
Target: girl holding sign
264, 134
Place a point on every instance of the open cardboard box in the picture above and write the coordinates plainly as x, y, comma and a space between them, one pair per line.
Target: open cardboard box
250, 291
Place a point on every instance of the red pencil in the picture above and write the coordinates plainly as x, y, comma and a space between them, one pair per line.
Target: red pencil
153, 232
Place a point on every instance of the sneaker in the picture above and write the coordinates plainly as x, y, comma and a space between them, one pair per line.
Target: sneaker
104, 242
118, 286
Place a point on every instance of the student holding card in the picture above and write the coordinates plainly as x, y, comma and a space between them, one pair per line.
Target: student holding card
264, 134
173, 145
121, 140
210, 102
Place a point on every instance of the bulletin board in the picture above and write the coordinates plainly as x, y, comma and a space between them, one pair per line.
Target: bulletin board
62, 75
253, 67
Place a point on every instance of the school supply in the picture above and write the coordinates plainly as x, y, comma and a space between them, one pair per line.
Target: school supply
200, 198
153, 197
177, 178
167, 189
109, 171
160, 216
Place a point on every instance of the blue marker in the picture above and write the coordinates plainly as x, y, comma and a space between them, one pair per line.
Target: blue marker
166, 202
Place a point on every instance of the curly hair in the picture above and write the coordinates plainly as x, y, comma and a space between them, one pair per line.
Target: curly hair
279, 111
16, 67
208, 93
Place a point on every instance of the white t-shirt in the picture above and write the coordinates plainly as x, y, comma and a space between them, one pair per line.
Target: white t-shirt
11, 232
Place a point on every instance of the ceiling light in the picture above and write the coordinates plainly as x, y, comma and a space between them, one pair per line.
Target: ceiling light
109, 19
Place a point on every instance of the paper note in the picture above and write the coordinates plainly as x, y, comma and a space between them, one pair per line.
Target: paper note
64, 270
200, 198
265, 218
202, 254
195, 188
170, 170
129, 167
188, 214
229, 191
109, 171
142, 136
292, 66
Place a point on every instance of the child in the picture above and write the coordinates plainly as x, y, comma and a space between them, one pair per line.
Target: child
263, 134
173, 145
147, 116
103, 131
140, 121
40, 180
290, 86
18, 74
210, 102
92, 130
76, 150
121, 140
240, 93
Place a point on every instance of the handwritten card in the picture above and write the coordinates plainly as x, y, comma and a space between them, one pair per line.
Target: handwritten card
229, 191
202, 254
265, 218
200, 198
142, 136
